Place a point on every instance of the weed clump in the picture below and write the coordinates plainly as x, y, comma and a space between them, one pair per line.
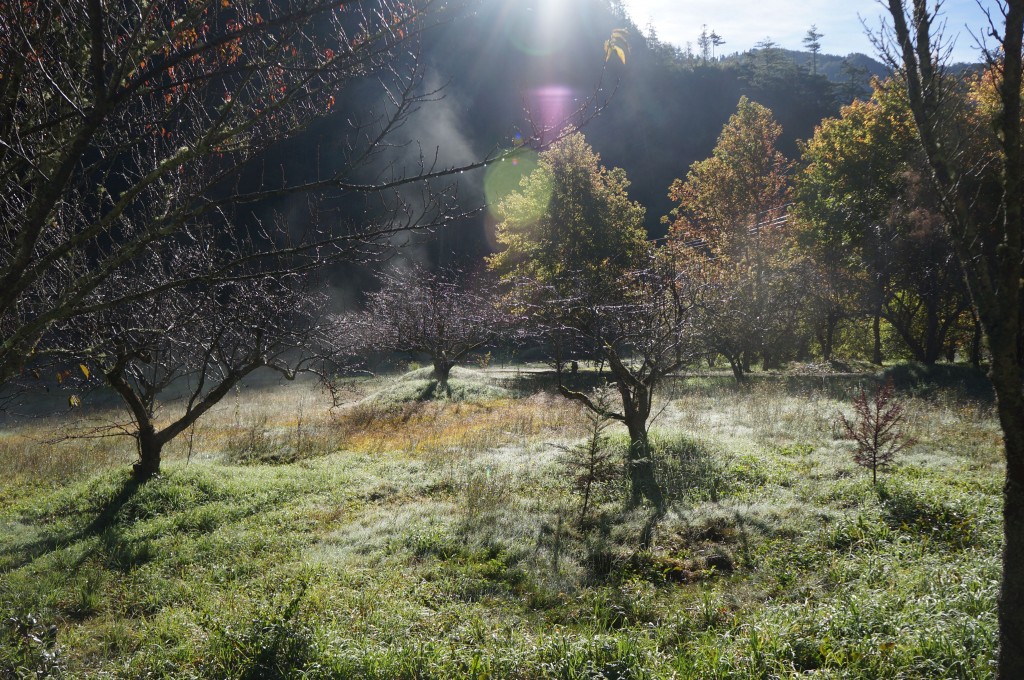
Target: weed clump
255, 443
28, 648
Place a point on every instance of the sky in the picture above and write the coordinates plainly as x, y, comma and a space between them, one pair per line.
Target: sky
743, 23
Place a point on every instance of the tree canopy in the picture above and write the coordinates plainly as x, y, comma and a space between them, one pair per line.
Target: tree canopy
571, 218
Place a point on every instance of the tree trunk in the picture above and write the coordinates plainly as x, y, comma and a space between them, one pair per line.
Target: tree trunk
876, 354
442, 369
642, 481
150, 446
976, 344
827, 337
737, 370
951, 351
933, 338
1006, 378
1006, 374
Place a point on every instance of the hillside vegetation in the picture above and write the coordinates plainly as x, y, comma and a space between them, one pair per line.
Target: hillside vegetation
394, 538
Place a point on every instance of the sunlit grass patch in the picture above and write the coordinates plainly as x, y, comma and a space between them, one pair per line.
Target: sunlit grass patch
443, 539
432, 428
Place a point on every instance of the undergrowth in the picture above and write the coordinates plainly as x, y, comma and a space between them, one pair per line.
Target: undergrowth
442, 539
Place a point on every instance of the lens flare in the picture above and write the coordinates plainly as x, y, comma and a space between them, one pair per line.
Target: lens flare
536, 29
551, 106
505, 177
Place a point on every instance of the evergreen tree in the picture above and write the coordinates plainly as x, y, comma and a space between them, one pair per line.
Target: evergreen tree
812, 41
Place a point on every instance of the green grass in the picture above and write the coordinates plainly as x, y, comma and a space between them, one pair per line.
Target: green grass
464, 384
409, 539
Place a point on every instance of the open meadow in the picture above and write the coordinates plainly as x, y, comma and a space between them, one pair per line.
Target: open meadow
396, 538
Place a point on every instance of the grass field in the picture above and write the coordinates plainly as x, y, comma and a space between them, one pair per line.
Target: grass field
403, 539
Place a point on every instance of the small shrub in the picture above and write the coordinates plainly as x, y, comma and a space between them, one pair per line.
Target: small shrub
28, 648
594, 463
877, 429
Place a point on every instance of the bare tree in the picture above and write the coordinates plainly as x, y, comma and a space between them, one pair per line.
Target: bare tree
124, 124
645, 326
189, 344
988, 242
444, 314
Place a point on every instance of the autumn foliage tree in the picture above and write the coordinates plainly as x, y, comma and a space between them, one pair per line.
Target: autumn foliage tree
731, 212
872, 219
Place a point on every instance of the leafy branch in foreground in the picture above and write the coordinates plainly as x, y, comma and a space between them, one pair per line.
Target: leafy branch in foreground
129, 127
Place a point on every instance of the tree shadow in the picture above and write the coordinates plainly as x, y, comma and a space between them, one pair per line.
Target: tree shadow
966, 382
103, 524
931, 518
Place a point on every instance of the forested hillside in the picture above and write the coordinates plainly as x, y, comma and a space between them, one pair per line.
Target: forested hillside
666, 108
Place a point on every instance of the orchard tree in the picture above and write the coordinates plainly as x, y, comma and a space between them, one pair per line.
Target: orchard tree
582, 277
989, 243
444, 314
127, 124
195, 342
732, 212
645, 324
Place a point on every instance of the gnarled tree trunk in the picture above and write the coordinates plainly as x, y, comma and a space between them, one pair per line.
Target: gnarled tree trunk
643, 482
150, 446
442, 370
636, 405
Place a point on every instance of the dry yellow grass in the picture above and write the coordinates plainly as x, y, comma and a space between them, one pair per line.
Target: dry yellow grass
435, 427
64, 447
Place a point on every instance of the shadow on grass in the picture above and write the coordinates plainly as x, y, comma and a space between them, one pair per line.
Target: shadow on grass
104, 524
965, 381
546, 380
435, 389
930, 518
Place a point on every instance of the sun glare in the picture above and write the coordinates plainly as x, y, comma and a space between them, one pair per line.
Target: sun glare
540, 29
